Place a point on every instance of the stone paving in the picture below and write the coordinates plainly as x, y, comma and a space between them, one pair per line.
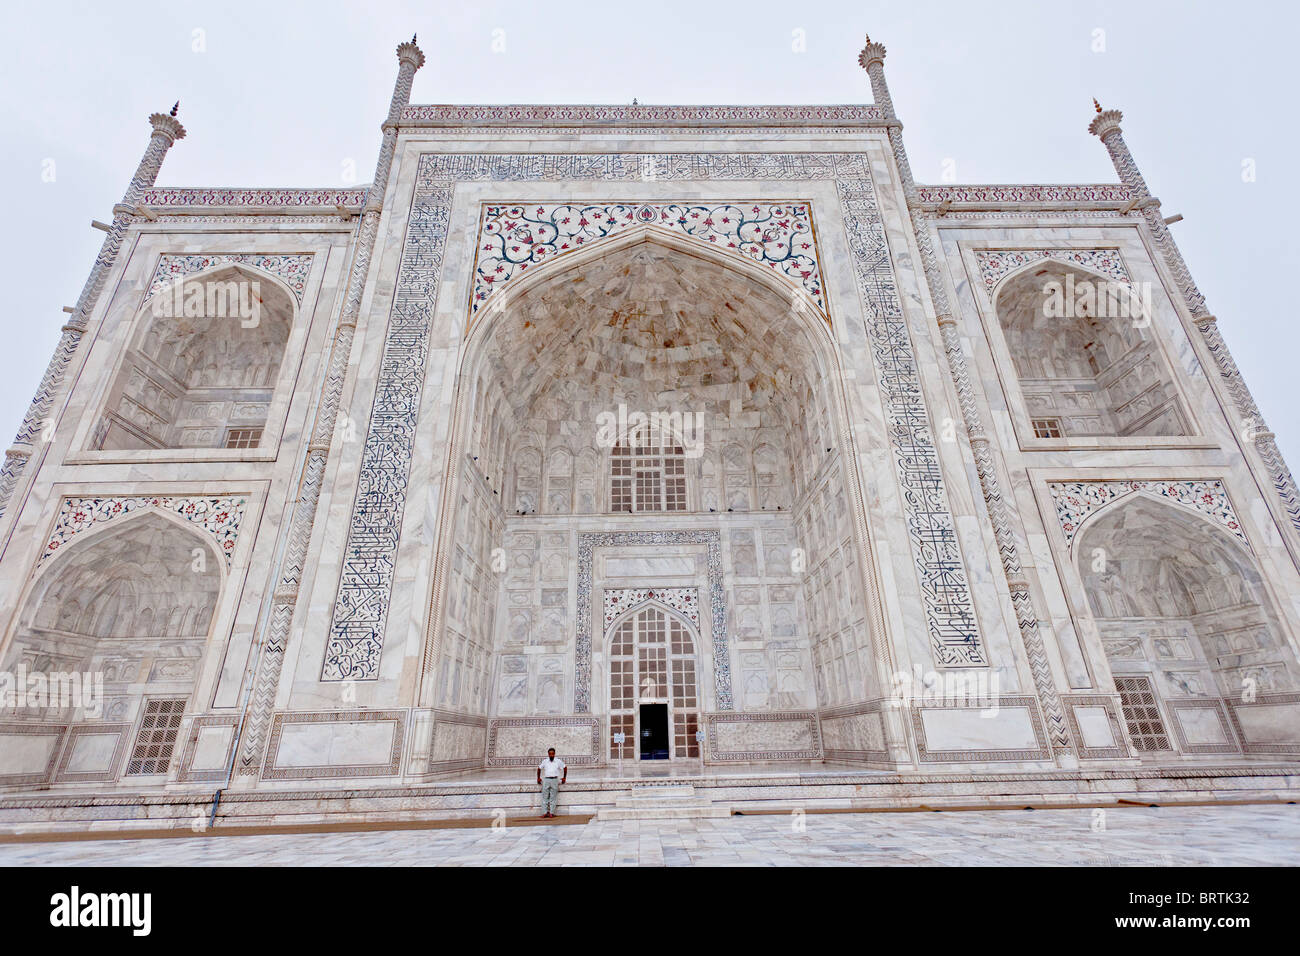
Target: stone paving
1265, 835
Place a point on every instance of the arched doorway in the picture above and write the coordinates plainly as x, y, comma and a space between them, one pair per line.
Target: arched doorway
653, 685
1184, 620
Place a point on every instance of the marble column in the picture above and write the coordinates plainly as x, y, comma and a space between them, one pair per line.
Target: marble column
166, 131
273, 631
1105, 125
872, 59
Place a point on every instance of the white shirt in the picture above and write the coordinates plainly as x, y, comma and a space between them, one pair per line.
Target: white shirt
551, 768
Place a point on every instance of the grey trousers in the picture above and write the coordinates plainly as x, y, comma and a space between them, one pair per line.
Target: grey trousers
550, 793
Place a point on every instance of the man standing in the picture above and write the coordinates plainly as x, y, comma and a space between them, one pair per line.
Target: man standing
551, 772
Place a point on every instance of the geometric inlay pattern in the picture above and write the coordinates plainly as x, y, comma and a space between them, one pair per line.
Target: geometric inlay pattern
1008, 194
515, 238
996, 263
580, 113
203, 196
292, 270
1076, 500
365, 586
218, 516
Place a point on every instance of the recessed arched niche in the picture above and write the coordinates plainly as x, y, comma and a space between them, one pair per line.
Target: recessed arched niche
647, 384
131, 605
201, 368
1087, 362
1183, 615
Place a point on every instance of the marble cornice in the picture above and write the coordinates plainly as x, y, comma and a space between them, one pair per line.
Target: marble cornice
1028, 197
350, 201
597, 116
283, 201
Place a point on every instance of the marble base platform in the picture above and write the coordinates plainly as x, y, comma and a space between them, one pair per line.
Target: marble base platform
496, 795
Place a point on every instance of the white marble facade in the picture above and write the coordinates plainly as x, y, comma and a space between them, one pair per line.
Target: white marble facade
440, 542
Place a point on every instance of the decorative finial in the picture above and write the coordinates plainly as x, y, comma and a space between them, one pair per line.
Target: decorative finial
409, 52
1105, 122
634, 102
871, 53
176, 107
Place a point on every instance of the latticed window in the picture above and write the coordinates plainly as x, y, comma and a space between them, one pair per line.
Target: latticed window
684, 728
622, 674
157, 737
243, 437
1138, 701
646, 476
1047, 427
624, 724
652, 656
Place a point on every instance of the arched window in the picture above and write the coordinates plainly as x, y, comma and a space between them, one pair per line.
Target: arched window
652, 659
647, 476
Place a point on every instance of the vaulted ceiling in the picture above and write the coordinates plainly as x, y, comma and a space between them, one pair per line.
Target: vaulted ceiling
650, 319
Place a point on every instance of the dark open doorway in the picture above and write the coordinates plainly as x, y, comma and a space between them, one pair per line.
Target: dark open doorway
654, 731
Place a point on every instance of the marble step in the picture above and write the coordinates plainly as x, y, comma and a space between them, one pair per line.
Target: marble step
672, 802
656, 796
686, 811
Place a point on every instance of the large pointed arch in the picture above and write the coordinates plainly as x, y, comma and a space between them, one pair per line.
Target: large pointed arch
158, 552
800, 305
789, 361
1037, 265
515, 238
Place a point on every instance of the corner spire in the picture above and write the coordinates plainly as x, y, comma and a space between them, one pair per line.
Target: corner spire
167, 126
872, 59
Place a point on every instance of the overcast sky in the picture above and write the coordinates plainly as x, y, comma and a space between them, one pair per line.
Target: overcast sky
286, 94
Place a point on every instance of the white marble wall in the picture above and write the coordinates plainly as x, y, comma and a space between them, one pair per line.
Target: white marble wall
204, 659
797, 473
1123, 619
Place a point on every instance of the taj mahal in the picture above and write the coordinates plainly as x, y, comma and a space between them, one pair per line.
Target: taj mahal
700, 443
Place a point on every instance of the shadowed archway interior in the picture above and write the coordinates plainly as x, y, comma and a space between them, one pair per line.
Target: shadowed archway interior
1090, 371
202, 367
132, 604
650, 327
1182, 612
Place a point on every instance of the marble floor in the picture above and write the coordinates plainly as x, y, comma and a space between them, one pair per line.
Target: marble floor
1261, 835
